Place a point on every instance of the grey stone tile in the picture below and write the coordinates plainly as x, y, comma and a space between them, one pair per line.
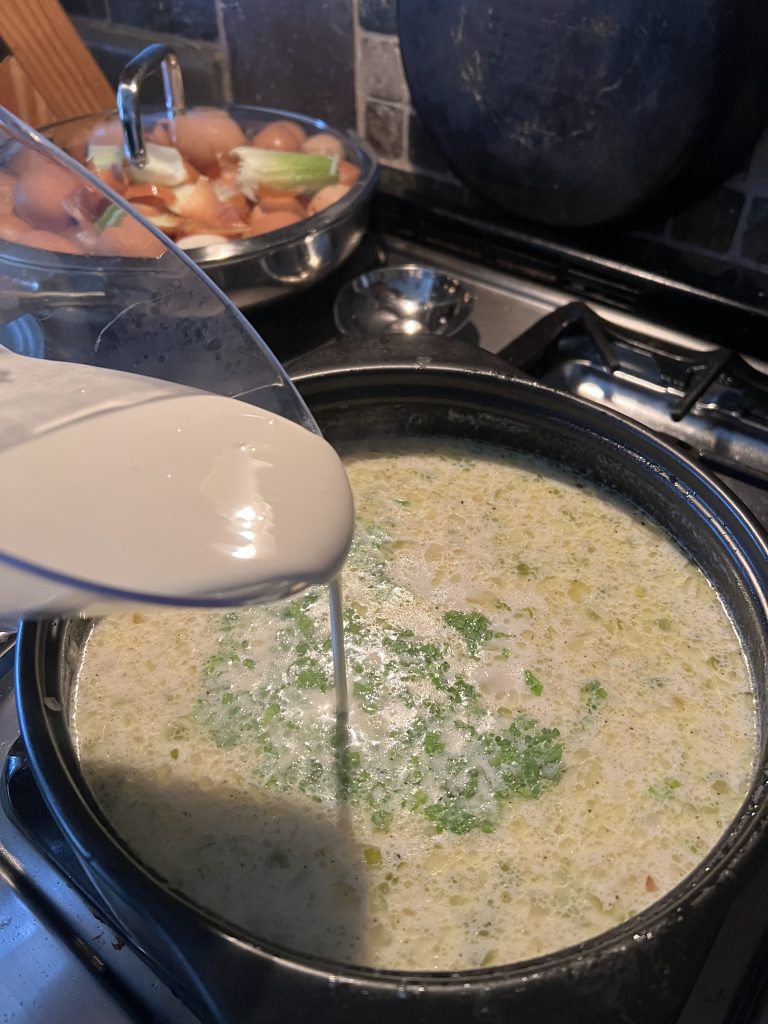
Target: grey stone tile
203, 64
384, 124
294, 54
711, 223
193, 19
87, 8
378, 15
383, 75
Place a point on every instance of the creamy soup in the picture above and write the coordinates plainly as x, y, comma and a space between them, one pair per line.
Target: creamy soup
551, 723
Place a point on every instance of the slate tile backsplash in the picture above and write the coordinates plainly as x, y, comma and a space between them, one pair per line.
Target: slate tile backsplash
88, 8
378, 15
384, 130
381, 69
294, 54
340, 60
193, 19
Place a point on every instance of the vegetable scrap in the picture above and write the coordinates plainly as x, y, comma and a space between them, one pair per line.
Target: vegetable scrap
205, 181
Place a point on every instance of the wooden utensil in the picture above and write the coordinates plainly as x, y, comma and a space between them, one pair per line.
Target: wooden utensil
47, 73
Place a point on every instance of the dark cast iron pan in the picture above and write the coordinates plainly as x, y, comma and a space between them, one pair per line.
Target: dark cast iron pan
577, 112
638, 973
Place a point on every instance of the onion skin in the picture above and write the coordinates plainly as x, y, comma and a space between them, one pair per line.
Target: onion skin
263, 223
348, 172
203, 134
40, 193
327, 197
273, 199
277, 135
12, 227
157, 195
324, 144
110, 179
128, 238
7, 188
198, 241
50, 241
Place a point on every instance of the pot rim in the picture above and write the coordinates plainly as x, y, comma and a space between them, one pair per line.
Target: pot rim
722, 866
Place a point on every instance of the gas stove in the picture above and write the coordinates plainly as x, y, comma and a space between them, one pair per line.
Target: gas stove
678, 359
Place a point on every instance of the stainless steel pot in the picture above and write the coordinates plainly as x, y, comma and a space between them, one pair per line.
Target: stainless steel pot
640, 972
252, 271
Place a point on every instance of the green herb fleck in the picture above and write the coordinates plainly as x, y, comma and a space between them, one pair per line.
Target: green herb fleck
665, 789
381, 819
527, 758
596, 695
453, 759
452, 816
534, 685
433, 744
473, 627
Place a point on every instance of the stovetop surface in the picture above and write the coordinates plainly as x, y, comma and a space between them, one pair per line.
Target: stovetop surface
61, 960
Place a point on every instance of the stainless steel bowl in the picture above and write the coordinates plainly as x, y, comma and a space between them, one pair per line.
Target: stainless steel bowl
252, 271
403, 300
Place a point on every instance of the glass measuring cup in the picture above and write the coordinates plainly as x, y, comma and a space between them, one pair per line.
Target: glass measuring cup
84, 280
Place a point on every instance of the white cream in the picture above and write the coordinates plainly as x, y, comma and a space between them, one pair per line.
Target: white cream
153, 492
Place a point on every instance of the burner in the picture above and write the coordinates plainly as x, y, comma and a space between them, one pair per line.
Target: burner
533, 350
713, 402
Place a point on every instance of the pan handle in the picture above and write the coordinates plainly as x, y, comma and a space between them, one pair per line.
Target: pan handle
152, 57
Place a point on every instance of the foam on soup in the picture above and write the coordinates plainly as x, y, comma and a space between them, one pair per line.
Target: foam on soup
551, 723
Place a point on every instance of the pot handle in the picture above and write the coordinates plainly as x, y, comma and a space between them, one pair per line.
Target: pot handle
152, 57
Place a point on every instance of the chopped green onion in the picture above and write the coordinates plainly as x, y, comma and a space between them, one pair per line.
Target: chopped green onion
111, 217
305, 171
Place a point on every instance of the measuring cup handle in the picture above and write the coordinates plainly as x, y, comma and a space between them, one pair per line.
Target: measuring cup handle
131, 78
